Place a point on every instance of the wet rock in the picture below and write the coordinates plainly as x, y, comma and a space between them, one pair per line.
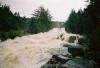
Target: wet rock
61, 59
95, 55
76, 51
80, 62
77, 60
56, 61
65, 44
83, 41
72, 39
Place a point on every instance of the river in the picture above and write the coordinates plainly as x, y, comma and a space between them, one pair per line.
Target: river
32, 51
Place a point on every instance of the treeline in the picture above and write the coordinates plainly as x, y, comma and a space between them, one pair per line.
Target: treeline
87, 22
12, 25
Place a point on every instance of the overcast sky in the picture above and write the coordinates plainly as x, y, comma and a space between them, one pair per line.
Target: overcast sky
59, 9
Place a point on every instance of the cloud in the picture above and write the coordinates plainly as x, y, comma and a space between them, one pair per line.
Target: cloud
59, 9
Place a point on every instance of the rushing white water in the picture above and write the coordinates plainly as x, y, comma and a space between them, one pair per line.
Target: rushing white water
32, 51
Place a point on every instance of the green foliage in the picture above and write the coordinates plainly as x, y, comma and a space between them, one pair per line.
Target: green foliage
76, 22
11, 25
11, 34
86, 23
92, 13
71, 24
41, 21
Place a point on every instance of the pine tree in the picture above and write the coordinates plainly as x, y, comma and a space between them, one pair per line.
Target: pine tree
92, 13
41, 20
76, 22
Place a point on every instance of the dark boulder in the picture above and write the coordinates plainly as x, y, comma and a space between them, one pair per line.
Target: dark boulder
83, 41
72, 39
76, 51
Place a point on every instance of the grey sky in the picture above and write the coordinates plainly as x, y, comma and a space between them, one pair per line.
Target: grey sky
59, 9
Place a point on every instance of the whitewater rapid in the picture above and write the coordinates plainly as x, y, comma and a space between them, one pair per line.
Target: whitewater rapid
32, 51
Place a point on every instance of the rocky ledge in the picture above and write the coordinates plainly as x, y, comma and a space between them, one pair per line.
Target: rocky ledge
76, 59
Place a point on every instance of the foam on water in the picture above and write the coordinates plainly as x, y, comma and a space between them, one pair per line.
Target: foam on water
31, 51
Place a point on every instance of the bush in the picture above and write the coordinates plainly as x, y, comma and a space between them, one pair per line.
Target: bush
11, 34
